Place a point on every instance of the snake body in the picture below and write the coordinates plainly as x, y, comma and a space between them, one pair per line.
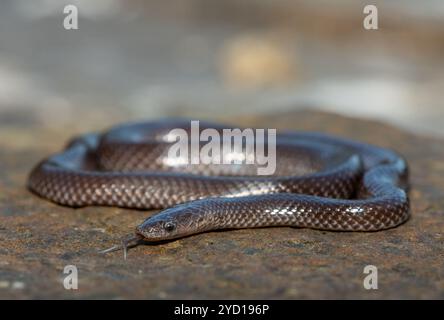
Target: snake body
321, 182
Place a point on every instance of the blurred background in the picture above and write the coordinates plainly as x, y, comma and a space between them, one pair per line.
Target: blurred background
133, 59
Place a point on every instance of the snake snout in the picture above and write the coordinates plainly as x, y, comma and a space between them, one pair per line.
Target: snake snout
139, 231
157, 229
145, 232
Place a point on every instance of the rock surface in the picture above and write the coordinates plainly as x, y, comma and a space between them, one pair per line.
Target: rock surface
38, 238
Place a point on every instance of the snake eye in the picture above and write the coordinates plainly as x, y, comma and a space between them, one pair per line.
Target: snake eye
169, 226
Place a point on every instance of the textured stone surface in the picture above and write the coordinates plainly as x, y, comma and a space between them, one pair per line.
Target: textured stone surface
39, 238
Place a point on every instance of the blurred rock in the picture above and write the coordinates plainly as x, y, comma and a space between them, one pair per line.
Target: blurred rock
250, 61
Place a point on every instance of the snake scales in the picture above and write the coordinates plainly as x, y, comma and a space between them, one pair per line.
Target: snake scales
321, 182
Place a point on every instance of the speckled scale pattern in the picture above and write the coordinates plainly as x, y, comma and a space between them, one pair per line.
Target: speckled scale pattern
338, 184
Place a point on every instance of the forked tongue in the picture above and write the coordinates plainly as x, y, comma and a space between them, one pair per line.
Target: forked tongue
127, 242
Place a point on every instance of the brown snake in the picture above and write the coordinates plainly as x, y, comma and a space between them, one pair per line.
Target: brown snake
321, 182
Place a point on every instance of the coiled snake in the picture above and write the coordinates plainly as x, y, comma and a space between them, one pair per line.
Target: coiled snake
321, 182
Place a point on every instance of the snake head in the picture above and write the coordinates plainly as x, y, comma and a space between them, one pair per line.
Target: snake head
172, 223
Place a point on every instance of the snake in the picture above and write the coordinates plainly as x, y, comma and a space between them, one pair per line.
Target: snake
321, 182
